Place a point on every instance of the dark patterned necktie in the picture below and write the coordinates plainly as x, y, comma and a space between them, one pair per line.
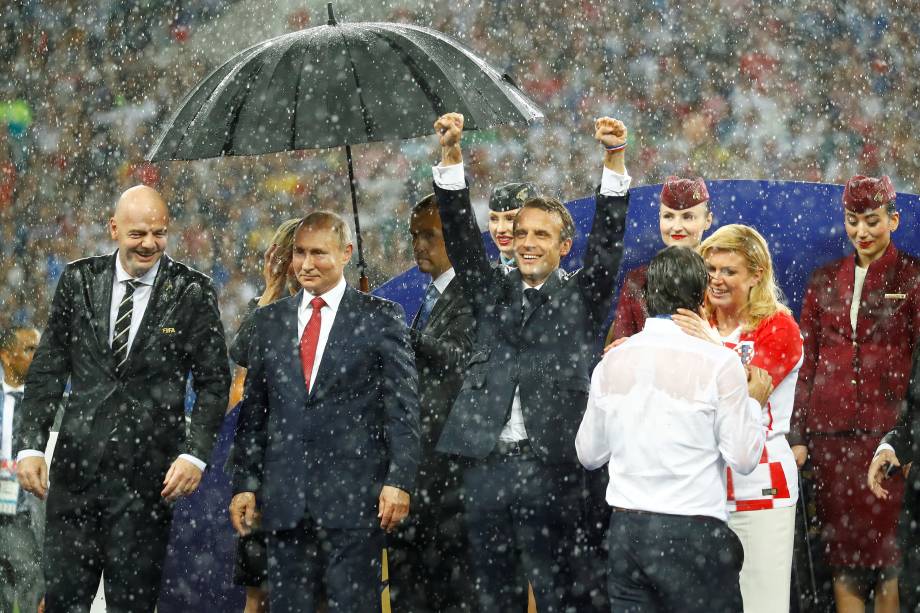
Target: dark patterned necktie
533, 298
123, 326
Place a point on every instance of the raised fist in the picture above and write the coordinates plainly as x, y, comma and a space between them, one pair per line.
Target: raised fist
449, 127
610, 132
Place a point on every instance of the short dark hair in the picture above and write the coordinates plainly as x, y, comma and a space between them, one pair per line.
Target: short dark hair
551, 205
8, 335
428, 202
677, 279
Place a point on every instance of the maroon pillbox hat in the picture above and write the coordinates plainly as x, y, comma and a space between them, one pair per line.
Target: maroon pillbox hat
863, 194
680, 194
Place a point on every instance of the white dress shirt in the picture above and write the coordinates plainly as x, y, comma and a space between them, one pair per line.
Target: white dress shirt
452, 178
514, 430
668, 411
332, 299
141, 299
6, 428
444, 280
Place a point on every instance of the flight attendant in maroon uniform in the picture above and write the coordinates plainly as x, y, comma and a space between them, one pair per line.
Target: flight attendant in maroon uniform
683, 217
860, 321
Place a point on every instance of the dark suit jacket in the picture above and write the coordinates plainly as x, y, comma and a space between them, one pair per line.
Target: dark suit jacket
326, 454
180, 334
441, 351
905, 438
550, 355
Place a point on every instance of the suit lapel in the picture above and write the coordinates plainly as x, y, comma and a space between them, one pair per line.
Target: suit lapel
161, 295
442, 303
100, 299
289, 351
552, 283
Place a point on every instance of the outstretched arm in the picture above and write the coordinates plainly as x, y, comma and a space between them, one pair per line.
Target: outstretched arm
605, 244
461, 233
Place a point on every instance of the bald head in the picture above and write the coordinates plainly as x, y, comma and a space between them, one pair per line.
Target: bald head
141, 199
139, 226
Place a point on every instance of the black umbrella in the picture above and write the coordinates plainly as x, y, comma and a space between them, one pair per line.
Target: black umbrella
339, 84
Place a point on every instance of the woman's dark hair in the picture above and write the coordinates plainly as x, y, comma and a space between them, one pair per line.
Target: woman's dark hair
677, 279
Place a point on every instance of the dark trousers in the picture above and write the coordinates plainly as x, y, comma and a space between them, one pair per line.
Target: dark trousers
520, 514
346, 562
118, 526
661, 563
428, 562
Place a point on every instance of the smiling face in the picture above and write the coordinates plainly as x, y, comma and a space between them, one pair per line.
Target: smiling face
870, 232
319, 258
684, 228
139, 226
501, 228
730, 280
538, 246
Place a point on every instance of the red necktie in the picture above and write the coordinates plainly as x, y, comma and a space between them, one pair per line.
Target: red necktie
310, 339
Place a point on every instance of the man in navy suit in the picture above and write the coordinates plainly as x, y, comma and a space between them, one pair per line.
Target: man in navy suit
526, 384
328, 431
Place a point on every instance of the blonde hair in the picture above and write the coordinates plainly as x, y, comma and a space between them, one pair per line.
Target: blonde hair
765, 299
284, 238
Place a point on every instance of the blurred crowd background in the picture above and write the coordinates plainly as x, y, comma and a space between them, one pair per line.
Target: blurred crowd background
804, 90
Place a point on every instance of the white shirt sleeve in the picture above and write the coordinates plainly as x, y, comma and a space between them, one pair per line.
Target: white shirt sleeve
738, 422
883, 447
29, 453
614, 184
591, 442
449, 177
201, 465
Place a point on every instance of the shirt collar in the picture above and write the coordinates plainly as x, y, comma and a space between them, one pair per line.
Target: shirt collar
525, 286
444, 280
7, 388
121, 275
662, 325
332, 298
506, 261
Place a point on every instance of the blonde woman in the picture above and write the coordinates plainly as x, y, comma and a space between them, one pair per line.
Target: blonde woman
744, 311
251, 568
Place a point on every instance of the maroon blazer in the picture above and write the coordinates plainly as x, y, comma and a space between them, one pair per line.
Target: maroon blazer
631, 309
852, 382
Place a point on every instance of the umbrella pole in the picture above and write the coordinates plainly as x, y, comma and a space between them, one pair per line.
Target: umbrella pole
362, 265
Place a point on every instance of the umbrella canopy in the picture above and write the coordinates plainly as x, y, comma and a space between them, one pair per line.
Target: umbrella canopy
339, 84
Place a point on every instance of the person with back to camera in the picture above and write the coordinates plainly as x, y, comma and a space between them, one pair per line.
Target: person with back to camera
668, 412
744, 307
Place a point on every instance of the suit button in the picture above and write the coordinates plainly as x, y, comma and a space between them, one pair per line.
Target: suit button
853, 381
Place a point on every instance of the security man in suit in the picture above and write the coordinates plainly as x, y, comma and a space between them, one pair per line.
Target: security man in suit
527, 380
428, 555
22, 515
328, 429
127, 329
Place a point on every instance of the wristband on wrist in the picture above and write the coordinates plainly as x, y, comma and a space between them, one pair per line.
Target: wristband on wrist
616, 148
